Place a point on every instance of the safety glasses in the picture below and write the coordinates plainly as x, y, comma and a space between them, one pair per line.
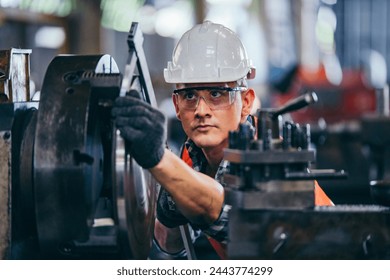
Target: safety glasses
217, 98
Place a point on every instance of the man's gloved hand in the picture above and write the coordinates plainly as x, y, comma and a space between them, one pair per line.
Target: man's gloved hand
143, 126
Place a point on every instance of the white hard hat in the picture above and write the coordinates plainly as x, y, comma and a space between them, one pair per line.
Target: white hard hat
209, 53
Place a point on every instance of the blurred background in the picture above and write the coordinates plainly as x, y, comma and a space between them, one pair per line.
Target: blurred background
337, 48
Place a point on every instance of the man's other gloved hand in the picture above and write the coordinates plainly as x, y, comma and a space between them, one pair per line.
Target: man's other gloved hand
143, 126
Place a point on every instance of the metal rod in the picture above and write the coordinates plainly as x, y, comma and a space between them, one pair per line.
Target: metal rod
187, 241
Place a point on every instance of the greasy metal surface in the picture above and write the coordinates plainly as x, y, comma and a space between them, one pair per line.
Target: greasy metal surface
5, 183
72, 147
354, 232
17, 222
24, 240
273, 195
268, 157
136, 197
15, 74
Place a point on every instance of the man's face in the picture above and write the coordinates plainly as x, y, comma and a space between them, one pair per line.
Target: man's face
208, 127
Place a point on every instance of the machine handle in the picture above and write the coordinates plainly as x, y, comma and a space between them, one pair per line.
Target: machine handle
296, 104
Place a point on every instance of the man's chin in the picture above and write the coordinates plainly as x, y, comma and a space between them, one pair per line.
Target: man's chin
205, 143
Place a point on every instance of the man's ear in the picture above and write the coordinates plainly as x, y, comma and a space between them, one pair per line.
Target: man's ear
174, 99
248, 99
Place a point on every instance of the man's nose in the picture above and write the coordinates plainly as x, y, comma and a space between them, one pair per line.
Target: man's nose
202, 107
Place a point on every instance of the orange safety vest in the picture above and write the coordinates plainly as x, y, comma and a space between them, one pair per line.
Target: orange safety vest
320, 199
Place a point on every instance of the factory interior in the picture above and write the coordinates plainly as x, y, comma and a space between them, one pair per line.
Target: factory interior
70, 190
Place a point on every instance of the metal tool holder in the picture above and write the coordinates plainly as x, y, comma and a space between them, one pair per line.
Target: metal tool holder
271, 188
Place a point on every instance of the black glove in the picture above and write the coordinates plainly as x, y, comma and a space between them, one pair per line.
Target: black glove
143, 126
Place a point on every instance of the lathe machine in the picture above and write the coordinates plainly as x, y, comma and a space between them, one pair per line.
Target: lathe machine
70, 190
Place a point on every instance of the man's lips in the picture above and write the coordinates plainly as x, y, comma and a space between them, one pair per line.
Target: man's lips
203, 127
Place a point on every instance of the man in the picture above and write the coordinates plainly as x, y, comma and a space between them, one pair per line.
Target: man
210, 69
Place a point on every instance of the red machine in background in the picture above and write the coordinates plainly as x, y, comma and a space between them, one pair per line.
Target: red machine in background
337, 103
338, 50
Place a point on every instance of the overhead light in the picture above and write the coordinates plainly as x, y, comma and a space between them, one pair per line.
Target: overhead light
50, 37
146, 17
174, 20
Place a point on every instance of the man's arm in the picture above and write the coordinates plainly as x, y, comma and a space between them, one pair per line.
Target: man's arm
198, 196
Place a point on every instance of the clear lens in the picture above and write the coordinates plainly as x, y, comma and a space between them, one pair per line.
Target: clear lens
215, 97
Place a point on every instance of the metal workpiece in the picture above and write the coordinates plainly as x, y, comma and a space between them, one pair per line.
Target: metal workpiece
5, 191
321, 233
73, 148
15, 74
16, 120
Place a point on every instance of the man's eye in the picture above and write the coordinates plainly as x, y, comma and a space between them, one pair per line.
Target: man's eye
189, 95
216, 94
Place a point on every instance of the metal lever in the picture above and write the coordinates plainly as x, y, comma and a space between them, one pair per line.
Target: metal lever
137, 67
296, 104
